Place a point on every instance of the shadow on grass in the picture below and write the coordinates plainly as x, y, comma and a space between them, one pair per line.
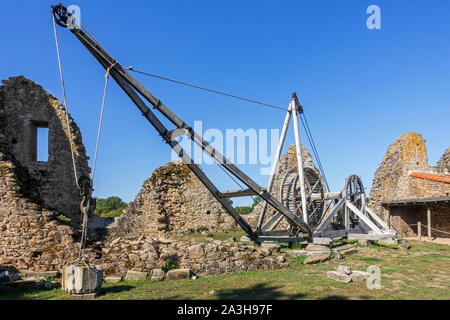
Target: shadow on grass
115, 289
345, 298
259, 291
15, 292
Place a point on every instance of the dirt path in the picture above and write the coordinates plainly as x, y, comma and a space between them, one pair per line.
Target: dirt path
433, 240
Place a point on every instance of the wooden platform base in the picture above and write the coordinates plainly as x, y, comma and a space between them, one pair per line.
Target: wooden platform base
84, 296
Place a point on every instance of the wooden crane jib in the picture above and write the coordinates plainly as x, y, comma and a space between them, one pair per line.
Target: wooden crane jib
134, 89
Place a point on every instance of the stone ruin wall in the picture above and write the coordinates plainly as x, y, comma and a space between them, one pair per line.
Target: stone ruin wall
25, 106
443, 165
33, 238
174, 201
393, 182
34, 194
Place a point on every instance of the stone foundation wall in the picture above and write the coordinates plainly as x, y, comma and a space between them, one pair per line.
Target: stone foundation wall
203, 259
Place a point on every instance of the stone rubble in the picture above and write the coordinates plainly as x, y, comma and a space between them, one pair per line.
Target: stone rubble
346, 274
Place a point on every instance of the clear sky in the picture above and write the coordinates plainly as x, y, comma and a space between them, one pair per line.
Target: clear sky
361, 89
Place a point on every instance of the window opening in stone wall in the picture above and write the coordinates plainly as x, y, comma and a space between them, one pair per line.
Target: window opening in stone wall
42, 144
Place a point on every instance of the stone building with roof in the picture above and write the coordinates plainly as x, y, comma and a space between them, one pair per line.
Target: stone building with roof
407, 190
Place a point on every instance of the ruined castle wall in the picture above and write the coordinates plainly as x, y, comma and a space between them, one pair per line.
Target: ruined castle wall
31, 237
391, 178
24, 107
33, 195
443, 165
173, 200
392, 181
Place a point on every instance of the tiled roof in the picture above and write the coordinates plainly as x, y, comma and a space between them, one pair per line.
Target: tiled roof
431, 176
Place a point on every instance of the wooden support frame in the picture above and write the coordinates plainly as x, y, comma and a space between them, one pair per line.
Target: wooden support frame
429, 222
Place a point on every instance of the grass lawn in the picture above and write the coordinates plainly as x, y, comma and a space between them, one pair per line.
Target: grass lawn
423, 272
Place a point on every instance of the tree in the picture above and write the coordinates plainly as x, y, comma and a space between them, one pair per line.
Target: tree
111, 206
256, 200
243, 210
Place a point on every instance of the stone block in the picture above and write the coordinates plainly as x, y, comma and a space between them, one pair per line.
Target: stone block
363, 274
85, 296
245, 238
344, 269
136, 276
404, 244
312, 253
322, 241
334, 275
349, 251
343, 247
357, 277
337, 254
316, 247
297, 253
178, 274
317, 258
196, 251
388, 241
272, 247
158, 274
81, 279
112, 279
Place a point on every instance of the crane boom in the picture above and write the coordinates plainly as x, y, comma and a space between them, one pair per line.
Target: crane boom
135, 90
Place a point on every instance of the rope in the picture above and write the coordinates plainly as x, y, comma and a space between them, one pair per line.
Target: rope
65, 104
206, 89
440, 231
86, 209
313, 148
426, 227
83, 236
101, 119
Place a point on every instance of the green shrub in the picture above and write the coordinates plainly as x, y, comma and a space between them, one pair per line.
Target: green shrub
109, 207
243, 210
370, 259
169, 265
300, 260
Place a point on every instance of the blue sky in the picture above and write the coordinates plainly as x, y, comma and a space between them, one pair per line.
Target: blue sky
361, 89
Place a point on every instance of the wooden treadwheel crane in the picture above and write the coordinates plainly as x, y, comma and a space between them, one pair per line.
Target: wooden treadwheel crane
303, 213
